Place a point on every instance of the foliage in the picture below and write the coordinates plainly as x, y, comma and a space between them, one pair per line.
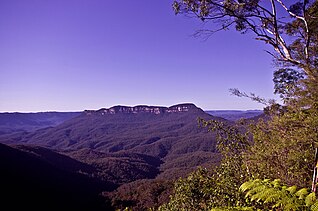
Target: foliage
281, 146
291, 39
205, 189
273, 195
233, 209
289, 27
286, 82
192, 193
279, 196
141, 194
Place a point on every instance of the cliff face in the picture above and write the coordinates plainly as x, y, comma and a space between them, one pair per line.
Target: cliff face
145, 109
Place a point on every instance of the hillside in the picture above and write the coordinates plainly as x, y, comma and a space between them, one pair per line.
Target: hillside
40, 179
126, 147
170, 135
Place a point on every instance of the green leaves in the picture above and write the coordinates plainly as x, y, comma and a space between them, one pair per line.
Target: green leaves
196, 192
286, 82
279, 196
310, 199
292, 189
283, 145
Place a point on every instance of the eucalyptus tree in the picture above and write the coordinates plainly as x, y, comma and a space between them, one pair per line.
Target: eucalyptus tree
291, 29
282, 146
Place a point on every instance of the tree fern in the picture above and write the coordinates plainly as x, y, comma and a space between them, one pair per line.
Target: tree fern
314, 207
272, 195
279, 196
310, 199
233, 209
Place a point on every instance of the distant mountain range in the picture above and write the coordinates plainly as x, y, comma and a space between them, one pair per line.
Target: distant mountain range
26, 122
234, 115
113, 146
19, 122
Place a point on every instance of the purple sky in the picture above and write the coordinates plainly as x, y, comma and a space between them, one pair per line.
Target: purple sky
71, 55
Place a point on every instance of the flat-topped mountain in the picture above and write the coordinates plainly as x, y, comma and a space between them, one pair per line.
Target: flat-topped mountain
145, 109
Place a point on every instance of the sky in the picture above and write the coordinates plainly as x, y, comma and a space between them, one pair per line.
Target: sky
72, 55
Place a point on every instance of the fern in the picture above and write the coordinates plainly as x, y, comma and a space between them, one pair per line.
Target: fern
314, 207
292, 189
302, 193
275, 195
310, 199
233, 209
279, 196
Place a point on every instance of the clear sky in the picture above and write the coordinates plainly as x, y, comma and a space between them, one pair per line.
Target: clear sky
71, 55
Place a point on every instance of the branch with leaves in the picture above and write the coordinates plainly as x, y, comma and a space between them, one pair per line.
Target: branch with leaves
271, 21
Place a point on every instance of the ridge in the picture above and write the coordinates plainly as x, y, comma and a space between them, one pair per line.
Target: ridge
179, 108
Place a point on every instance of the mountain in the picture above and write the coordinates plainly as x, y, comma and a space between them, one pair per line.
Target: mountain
234, 115
105, 159
19, 122
40, 179
141, 150
170, 134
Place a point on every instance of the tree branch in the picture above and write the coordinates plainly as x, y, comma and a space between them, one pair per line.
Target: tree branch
303, 19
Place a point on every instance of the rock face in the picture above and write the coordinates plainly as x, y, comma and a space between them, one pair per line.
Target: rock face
145, 109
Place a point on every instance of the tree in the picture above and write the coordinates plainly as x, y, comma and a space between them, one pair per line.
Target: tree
196, 192
217, 187
283, 148
291, 29
283, 145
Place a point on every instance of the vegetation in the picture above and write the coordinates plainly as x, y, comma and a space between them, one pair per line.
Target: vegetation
126, 147
141, 194
258, 158
274, 195
279, 148
217, 187
136, 156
